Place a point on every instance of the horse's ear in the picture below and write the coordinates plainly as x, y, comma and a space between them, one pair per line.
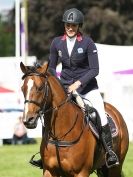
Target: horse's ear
23, 67
45, 67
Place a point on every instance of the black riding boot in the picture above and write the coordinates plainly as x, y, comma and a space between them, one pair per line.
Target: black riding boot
110, 157
37, 163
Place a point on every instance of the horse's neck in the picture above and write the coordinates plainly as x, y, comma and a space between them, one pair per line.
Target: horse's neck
68, 116
58, 92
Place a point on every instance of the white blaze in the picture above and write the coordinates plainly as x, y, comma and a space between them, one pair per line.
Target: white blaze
29, 85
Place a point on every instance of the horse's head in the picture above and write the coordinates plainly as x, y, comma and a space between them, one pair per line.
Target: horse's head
36, 93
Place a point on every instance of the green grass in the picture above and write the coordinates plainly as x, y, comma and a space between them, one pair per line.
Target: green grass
14, 161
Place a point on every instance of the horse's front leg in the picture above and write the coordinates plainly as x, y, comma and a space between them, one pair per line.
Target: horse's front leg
46, 173
84, 173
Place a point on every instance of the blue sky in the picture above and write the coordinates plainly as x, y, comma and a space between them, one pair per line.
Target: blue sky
6, 4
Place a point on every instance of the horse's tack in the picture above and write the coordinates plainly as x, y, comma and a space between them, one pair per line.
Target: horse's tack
113, 127
80, 158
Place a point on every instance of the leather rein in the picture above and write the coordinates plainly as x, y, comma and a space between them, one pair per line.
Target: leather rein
43, 110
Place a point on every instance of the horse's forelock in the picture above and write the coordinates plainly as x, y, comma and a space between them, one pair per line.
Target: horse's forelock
35, 67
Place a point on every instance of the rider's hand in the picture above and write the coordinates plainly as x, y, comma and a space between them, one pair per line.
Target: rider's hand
74, 86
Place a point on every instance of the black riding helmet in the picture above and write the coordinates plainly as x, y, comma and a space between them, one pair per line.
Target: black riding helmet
73, 16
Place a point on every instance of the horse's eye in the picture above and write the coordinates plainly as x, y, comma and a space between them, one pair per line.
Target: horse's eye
39, 89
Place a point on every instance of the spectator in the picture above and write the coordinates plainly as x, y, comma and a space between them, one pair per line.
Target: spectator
20, 134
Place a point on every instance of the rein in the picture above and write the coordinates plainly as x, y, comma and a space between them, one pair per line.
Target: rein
42, 111
61, 143
57, 141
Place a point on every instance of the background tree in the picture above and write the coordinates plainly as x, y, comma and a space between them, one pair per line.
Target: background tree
106, 21
7, 40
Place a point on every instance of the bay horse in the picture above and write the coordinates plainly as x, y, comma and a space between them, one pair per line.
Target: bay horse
68, 146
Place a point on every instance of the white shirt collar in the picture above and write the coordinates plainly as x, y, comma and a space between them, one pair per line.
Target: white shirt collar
70, 44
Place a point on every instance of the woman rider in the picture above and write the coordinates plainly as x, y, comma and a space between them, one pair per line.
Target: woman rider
80, 66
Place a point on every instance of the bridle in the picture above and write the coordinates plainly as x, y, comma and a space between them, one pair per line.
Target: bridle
46, 108
43, 105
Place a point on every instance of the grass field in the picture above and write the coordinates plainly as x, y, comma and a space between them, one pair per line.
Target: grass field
14, 161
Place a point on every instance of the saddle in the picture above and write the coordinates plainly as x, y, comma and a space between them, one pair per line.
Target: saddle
95, 125
92, 117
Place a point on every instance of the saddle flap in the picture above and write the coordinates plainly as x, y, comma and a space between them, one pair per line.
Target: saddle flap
113, 127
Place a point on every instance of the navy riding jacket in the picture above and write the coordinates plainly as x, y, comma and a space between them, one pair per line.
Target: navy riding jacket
82, 65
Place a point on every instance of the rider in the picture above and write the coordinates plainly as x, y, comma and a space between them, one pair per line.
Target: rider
80, 66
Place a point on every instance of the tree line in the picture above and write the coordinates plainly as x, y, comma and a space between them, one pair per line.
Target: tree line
106, 21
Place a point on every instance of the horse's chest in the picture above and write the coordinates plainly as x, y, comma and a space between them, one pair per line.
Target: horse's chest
56, 159
53, 157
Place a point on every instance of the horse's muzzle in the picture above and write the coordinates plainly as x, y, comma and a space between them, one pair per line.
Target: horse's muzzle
31, 123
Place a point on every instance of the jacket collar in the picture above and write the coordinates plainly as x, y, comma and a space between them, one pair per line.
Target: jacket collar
79, 37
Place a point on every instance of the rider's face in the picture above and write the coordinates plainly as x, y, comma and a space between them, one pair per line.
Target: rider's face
71, 29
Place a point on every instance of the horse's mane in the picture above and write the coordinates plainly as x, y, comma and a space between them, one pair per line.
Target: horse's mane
34, 67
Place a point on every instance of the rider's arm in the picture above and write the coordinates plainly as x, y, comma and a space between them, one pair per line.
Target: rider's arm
53, 57
93, 64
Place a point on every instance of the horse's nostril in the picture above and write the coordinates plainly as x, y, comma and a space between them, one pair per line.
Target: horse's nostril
25, 123
30, 119
31, 122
